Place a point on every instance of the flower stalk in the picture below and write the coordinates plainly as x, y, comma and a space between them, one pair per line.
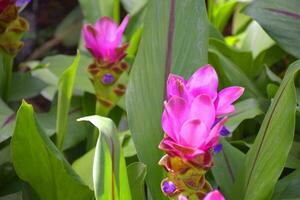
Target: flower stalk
12, 28
104, 42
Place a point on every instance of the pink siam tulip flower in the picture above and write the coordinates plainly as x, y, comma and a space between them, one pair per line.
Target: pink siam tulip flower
190, 126
104, 39
214, 195
204, 81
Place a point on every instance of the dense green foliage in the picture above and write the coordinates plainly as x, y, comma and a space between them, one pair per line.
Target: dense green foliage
50, 154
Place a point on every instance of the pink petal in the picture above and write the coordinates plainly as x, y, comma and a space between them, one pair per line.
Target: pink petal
181, 197
90, 38
193, 133
121, 29
107, 29
214, 135
226, 97
176, 86
173, 117
202, 108
204, 81
214, 195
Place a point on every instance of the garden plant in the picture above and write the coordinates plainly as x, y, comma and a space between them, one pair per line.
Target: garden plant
149, 99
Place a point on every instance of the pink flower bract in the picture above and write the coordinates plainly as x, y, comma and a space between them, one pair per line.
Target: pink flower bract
191, 124
104, 39
204, 82
214, 195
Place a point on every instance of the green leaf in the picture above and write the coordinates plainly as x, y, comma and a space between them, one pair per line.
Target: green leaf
65, 90
222, 13
179, 40
109, 167
266, 158
38, 162
84, 167
227, 164
288, 187
24, 86
7, 121
134, 6
137, 174
94, 9
56, 65
281, 20
246, 109
256, 39
229, 72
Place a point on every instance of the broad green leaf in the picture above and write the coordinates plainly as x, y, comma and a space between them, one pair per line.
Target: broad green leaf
127, 144
24, 86
230, 74
136, 175
56, 65
174, 40
109, 167
134, 6
242, 59
266, 158
287, 188
7, 121
65, 91
84, 167
256, 39
227, 164
76, 132
240, 21
281, 20
94, 9
293, 160
222, 13
246, 109
38, 162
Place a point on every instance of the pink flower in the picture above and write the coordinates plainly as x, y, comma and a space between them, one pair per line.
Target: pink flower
104, 39
214, 195
204, 81
190, 125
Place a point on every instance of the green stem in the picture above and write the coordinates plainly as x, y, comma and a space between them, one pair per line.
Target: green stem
116, 11
210, 9
6, 67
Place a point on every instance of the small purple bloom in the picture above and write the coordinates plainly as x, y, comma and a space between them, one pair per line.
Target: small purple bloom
169, 187
108, 79
224, 131
218, 148
20, 3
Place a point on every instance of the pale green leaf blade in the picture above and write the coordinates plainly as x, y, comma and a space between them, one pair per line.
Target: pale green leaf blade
281, 20
137, 174
227, 164
65, 90
267, 156
109, 167
38, 162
